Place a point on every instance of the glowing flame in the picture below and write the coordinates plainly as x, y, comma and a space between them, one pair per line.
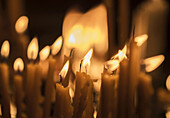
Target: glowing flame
153, 62
168, 114
33, 48
121, 54
112, 65
21, 24
5, 49
55, 48
72, 39
168, 83
64, 70
87, 57
44, 53
141, 39
18, 65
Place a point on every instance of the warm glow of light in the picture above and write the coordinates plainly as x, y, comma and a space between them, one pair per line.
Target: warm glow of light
55, 48
168, 83
21, 24
121, 54
71, 92
18, 65
168, 114
72, 39
112, 65
83, 31
5, 49
141, 39
32, 51
87, 57
153, 62
64, 70
44, 53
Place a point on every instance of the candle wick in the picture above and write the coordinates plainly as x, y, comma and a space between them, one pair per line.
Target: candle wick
86, 69
32, 54
71, 52
61, 79
81, 64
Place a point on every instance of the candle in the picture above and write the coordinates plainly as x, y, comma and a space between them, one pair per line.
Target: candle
108, 96
49, 88
63, 107
145, 92
36, 111
4, 81
83, 106
32, 53
122, 89
18, 82
133, 71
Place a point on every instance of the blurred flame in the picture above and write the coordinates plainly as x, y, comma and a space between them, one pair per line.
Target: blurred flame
121, 54
141, 39
44, 53
56, 46
18, 65
87, 57
153, 62
5, 49
86, 30
64, 70
21, 24
33, 48
168, 83
168, 114
71, 92
112, 65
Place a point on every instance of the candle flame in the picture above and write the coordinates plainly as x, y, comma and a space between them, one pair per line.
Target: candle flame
153, 62
87, 57
168, 83
18, 65
112, 65
141, 39
121, 54
5, 49
33, 48
21, 24
55, 48
64, 70
44, 53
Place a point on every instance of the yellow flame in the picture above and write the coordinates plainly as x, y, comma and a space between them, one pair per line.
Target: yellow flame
168, 83
21, 24
141, 39
153, 62
112, 65
33, 48
55, 48
87, 57
121, 54
64, 70
5, 49
44, 53
18, 65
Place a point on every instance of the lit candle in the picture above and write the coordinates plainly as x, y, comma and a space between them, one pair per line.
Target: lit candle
133, 71
63, 107
49, 87
18, 82
108, 95
21, 26
145, 88
83, 106
32, 53
4, 81
44, 63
